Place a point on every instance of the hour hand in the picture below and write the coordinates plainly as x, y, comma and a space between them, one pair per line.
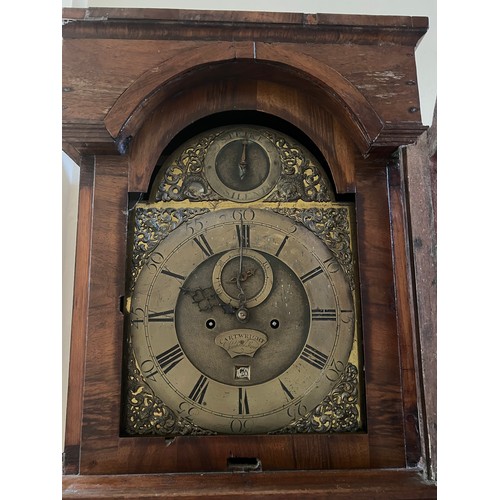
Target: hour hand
207, 299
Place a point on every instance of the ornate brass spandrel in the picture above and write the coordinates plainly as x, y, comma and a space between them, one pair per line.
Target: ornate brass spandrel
331, 225
338, 412
183, 175
146, 414
301, 178
151, 225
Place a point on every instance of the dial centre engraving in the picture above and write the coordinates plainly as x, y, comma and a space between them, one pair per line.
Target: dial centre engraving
215, 349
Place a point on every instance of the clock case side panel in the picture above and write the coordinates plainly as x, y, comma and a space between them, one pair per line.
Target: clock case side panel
399, 302
104, 342
416, 178
74, 413
380, 329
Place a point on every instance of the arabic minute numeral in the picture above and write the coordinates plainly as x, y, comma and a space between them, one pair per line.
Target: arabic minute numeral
148, 369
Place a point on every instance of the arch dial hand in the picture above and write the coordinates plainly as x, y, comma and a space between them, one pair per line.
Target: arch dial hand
243, 162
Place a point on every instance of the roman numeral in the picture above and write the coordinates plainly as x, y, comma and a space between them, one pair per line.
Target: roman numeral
243, 233
324, 315
204, 246
311, 274
199, 390
314, 357
174, 275
281, 246
161, 317
171, 357
243, 408
286, 391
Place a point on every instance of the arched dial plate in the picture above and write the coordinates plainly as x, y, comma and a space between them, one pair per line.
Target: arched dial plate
228, 375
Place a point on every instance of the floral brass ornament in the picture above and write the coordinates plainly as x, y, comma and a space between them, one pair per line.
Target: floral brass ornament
146, 414
184, 177
332, 226
292, 174
151, 225
338, 412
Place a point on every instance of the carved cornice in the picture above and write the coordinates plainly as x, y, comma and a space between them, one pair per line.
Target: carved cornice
81, 138
158, 24
394, 135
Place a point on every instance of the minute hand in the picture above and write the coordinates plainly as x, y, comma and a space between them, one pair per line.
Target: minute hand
241, 297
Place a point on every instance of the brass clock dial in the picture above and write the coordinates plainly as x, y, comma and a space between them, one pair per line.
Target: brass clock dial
242, 321
242, 310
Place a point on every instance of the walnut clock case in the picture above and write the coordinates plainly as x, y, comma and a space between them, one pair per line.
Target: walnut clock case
239, 299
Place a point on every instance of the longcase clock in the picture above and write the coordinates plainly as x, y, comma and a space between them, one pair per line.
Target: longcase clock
240, 305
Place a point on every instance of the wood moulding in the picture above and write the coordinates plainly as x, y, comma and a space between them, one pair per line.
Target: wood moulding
362, 484
239, 25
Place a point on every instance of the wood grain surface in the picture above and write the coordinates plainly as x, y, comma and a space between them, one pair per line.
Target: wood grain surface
375, 484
